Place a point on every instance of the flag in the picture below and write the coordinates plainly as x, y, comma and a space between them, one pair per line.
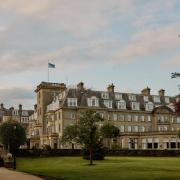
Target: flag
50, 65
175, 75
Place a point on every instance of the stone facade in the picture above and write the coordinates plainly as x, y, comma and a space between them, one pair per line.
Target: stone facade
145, 121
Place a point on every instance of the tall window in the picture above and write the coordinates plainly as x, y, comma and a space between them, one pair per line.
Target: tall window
167, 100
129, 128
93, 101
135, 106
115, 117
121, 104
121, 128
146, 98
72, 102
108, 103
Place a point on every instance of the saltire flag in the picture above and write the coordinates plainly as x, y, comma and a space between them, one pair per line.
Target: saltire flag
50, 65
175, 75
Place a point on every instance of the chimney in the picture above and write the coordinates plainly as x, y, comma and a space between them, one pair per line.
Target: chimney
161, 92
62, 87
146, 91
35, 107
20, 106
2, 106
80, 86
110, 88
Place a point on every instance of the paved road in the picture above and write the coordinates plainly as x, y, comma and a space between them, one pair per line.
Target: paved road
6, 174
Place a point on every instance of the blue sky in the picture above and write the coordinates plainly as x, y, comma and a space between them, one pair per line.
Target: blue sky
131, 43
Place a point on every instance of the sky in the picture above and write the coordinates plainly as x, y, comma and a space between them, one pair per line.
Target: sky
131, 43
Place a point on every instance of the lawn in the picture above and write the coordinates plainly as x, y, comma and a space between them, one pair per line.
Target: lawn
112, 168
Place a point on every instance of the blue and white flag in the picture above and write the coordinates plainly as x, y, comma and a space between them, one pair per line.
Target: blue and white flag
50, 65
175, 75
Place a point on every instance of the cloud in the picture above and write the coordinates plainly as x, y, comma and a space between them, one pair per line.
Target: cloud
148, 43
13, 96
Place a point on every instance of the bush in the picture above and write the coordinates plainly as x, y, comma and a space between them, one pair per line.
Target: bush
98, 152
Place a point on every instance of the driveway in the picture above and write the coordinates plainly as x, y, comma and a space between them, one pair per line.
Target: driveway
6, 174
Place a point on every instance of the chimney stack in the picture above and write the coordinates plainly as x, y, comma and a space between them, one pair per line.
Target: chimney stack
110, 88
35, 107
2, 106
161, 92
80, 86
146, 91
20, 106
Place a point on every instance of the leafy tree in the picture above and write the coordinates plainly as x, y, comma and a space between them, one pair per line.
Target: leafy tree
109, 131
85, 132
12, 135
70, 135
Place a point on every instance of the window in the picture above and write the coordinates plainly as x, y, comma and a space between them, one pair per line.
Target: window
72, 102
135, 118
156, 99
129, 128
178, 120
93, 101
146, 98
101, 114
108, 103
73, 115
149, 106
141, 118
121, 104
167, 100
118, 96
135, 105
132, 97
162, 128
105, 95
121, 117
141, 129
129, 117
115, 117
149, 118
121, 128
135, 129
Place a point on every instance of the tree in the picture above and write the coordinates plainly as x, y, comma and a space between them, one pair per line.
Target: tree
70, 135
12, 136
109, 131
85, 132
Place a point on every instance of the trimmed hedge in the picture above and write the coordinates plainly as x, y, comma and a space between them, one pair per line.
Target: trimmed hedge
78, 152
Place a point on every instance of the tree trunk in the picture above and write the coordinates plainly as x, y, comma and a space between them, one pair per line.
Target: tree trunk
90, 155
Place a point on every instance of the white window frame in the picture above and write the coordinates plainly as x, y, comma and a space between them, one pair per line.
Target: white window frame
72, 102
104, 95
118, 96
146, 98
156, 99
129, 129
93, 101
121, 104
132, 97
149, 106
115, 117
167, 100
135, 106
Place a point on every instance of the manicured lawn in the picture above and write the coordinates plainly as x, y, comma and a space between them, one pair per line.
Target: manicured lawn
112, 168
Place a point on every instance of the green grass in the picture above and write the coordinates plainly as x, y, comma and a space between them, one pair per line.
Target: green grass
112, 168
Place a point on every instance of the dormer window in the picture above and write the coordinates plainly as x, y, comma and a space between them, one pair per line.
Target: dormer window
135, 106
156, 99
93, 102
167, 100
108, 103
72, 102
149, 106
121, 104
118, 96
132, 97
146, 98
105, 95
